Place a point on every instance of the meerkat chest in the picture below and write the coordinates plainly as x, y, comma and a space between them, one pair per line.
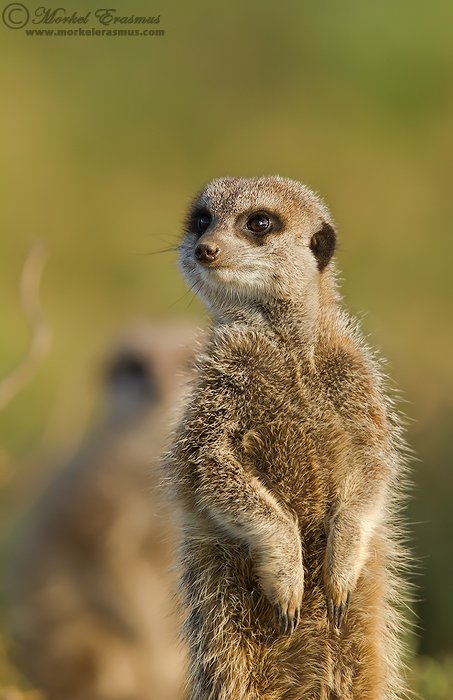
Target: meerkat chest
284, 428
266, 382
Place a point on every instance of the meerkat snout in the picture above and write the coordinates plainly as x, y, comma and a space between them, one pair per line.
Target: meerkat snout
207, 252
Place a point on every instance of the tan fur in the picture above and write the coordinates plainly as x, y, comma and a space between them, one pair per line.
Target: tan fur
286, 465
93, 614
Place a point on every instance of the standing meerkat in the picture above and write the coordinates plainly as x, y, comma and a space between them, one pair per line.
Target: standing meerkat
286, 464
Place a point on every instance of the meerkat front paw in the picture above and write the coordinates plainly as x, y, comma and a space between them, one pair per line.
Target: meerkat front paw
287, 614
338, 599
287, 608
284, 589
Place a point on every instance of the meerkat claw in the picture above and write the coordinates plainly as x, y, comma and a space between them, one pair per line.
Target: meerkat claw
296, 619
284, 625
293, 622
348, 600
339, 616
290, 628
337, 613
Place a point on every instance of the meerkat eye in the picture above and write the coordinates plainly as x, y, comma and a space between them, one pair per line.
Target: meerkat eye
203, 222
258, 223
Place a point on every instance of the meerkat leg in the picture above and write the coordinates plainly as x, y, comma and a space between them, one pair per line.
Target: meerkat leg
226, 617
243, 508
350, 529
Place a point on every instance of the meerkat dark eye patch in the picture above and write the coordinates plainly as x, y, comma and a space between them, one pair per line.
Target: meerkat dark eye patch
322, 245
199, 221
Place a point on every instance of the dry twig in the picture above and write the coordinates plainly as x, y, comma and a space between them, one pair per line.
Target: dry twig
41, 338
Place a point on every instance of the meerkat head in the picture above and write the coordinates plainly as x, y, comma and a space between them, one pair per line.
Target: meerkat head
256, 240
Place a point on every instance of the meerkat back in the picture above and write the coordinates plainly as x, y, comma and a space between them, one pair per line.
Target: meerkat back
286, 465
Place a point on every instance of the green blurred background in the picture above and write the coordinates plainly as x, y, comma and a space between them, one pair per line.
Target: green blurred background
103, 142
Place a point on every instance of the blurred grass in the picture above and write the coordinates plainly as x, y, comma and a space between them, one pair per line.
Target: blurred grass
433, 679
103, 142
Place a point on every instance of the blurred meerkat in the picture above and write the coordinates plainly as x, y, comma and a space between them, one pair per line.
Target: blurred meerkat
93, 603
286, 465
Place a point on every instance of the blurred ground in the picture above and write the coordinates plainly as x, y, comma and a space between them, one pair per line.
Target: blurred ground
103, 142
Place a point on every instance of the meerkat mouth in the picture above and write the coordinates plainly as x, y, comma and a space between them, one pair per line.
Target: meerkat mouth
223, 274
218, 275
247, 283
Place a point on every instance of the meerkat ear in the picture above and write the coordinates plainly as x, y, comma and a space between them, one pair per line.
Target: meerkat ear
322, 245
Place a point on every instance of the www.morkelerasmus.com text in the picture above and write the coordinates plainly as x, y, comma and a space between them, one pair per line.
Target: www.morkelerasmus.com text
94, 32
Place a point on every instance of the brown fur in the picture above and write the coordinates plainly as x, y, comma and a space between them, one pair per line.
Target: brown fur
93, 605
286, 465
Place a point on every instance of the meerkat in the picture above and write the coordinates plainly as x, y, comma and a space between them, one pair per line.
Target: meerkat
287, 464
92, 580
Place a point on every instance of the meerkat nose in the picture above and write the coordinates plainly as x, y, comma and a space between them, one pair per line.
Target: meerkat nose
207, 252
